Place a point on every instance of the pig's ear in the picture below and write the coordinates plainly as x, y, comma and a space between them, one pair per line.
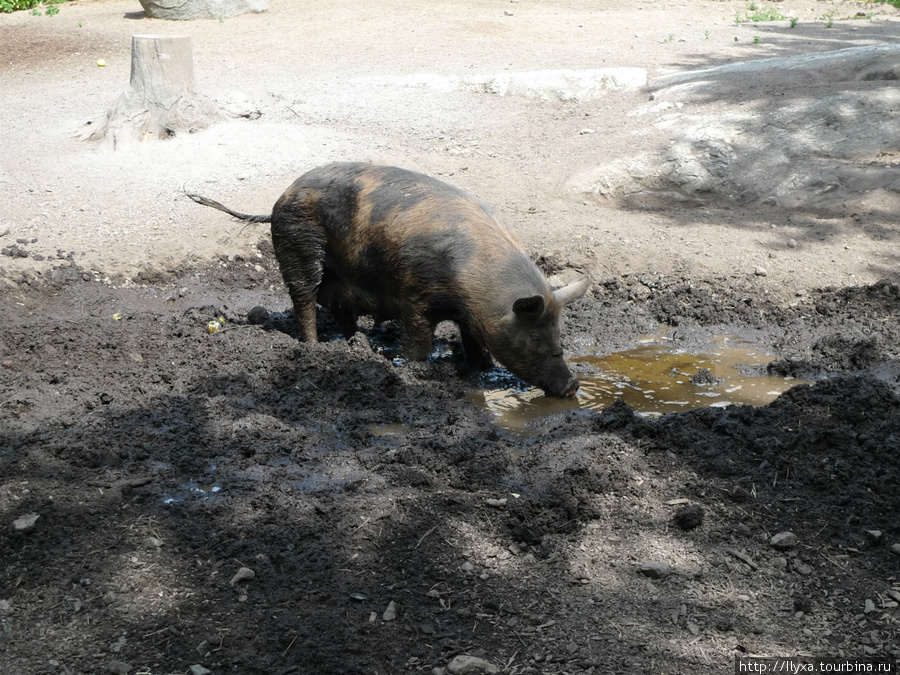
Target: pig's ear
573, 291
532, 306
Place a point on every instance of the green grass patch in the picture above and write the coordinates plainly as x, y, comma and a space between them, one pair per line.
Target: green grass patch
758, 13
8, 6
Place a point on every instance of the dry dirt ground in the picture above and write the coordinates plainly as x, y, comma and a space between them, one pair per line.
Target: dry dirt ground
389, 524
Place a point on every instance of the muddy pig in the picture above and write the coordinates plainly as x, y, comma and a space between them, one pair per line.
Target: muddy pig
379, 240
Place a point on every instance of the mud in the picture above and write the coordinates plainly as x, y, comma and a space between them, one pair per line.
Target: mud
161, 459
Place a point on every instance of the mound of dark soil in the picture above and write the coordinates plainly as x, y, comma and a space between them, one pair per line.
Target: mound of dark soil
242, 502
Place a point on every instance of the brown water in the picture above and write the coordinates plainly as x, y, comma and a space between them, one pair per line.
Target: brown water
653, 378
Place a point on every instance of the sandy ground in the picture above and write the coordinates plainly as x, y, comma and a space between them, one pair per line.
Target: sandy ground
317, 74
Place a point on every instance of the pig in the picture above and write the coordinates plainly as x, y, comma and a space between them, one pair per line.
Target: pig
362, 239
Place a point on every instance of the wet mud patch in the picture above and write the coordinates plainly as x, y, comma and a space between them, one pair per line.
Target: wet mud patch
390, 525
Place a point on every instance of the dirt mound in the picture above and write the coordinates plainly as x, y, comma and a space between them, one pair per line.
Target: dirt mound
161, 459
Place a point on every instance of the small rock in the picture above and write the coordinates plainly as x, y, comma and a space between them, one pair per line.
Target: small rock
197, 669
471, 665
783, 540
584, 132
467, 567
891, 594
792, 243
391, 612
760, 271
870, 607
655, 570
803, 568
243, 574
118, 668
496, 503
895, 549
506, 12
25, 523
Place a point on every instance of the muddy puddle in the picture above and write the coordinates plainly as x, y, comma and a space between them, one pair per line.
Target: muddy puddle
654, 377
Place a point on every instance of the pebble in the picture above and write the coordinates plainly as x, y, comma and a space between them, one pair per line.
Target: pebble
25, 523
792, 243
390, 613
760, 271
199, 670
118, 668
895, 549
471, 665
243, 574
655, 570
803, 568
784, 540
870, 606
496, 503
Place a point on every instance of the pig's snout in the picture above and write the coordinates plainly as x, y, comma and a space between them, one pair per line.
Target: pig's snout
571, 388
568, 390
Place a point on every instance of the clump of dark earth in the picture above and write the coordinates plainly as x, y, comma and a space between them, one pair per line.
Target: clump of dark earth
161, 459
689, 516
704, 377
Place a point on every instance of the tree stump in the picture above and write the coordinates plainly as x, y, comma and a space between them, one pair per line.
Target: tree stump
161, 100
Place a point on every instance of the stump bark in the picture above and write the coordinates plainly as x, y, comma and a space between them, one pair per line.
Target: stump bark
161, 101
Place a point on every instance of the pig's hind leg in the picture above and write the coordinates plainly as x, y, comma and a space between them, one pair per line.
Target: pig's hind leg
299, 242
